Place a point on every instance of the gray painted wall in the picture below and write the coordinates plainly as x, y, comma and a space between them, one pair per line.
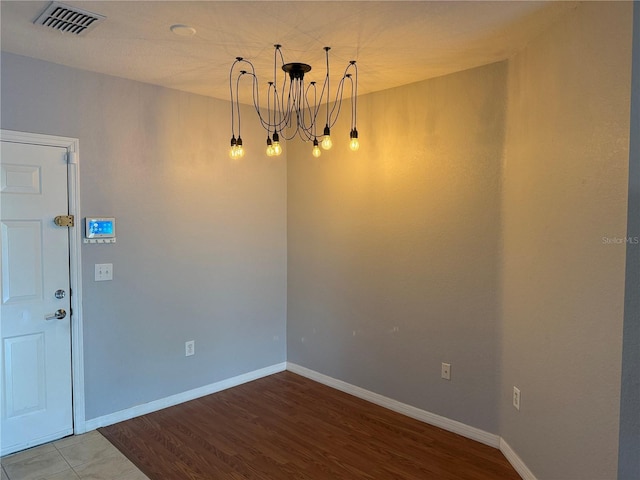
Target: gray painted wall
393, 250
201, 248
564, 204
396, 255
629, 458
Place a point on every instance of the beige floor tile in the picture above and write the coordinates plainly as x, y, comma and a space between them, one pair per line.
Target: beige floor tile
27, 454
95, 448
75, 439
37, 467
65, 475
117, 467
3, 474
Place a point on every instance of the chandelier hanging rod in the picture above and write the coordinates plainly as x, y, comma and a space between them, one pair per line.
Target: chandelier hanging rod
291, 104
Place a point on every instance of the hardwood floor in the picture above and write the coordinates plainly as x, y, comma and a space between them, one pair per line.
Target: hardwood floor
288, 427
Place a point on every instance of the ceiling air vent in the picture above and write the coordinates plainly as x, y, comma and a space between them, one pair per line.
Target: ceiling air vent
68, 19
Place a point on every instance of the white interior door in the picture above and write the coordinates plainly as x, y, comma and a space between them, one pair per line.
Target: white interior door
36, 344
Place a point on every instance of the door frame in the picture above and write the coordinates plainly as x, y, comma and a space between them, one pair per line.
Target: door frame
72, 146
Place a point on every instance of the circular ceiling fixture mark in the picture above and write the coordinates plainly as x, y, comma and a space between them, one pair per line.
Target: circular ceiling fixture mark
183, 30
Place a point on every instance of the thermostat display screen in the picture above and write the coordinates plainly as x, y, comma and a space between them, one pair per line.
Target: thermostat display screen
101, 227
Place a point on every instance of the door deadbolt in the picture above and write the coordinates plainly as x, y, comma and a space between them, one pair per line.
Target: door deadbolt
64, 220
60, 294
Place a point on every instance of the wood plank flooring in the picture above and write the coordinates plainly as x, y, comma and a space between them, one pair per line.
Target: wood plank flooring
288, 427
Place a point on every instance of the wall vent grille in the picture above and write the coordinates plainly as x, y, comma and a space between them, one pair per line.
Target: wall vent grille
68, 19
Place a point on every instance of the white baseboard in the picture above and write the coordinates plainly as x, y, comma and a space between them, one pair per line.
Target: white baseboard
413, 412
515, 461
172, 400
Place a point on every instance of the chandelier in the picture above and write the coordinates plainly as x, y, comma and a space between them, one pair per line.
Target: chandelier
293, 107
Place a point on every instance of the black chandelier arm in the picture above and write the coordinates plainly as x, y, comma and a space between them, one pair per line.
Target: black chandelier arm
325, 86
353, 103
326, 49
354, 95
242, 72
255, 92
238, 59
337, 103
305, 107
278, 123
311, 130
315, 106
288, 111
269, 107
340, 92
278, 119
237, 98
304, 134
266, 124
283, 120
275, 65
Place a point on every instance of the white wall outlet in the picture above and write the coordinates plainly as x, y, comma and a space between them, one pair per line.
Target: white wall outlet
446, 371
104, 271
189, 348
516, 398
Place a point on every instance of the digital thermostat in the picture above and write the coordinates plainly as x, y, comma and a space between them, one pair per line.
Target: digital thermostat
100, 230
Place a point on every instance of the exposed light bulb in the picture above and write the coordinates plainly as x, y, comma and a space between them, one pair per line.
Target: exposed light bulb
326, 141
316, 152
233, 148
277, 149
270, 149
354, 144
239, 148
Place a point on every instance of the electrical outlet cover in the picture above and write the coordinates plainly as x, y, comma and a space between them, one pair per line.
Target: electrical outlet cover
446, 371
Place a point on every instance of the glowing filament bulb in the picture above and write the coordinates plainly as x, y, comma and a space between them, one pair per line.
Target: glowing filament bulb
233, 149
326, 140
270, 149
239, 148
354, 144
316, 152
277, 149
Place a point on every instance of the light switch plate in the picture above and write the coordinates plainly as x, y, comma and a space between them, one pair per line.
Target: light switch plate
104, 271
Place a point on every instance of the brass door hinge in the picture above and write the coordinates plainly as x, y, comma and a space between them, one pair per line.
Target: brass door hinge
64, 221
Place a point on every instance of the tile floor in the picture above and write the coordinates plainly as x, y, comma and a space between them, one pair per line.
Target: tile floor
86, 457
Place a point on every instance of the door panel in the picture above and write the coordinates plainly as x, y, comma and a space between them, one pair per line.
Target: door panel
25, 374
36, 346
20, 179
21, 261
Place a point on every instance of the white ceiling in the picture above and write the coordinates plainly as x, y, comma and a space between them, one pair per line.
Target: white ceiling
393, 42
